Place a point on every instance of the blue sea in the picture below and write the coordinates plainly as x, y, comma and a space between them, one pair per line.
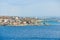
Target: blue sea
30, 32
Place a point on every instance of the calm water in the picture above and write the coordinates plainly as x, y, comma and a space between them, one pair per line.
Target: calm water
52, 22
30, 32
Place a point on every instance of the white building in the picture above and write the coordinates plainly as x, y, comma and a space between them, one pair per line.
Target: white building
5, 20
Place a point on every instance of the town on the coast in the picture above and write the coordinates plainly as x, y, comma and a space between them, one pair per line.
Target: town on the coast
22, 21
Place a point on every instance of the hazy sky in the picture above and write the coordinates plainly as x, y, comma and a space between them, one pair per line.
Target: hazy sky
30, 7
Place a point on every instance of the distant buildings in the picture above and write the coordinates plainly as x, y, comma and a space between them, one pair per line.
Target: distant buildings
18, 21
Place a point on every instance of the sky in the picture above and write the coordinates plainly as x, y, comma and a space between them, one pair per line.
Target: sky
38, 8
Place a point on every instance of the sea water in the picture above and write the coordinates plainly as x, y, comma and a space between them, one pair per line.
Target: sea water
30, 32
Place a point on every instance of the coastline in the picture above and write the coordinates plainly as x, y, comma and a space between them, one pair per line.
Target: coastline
24, 21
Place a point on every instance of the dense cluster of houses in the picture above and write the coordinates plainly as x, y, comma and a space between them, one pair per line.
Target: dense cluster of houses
19, 21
